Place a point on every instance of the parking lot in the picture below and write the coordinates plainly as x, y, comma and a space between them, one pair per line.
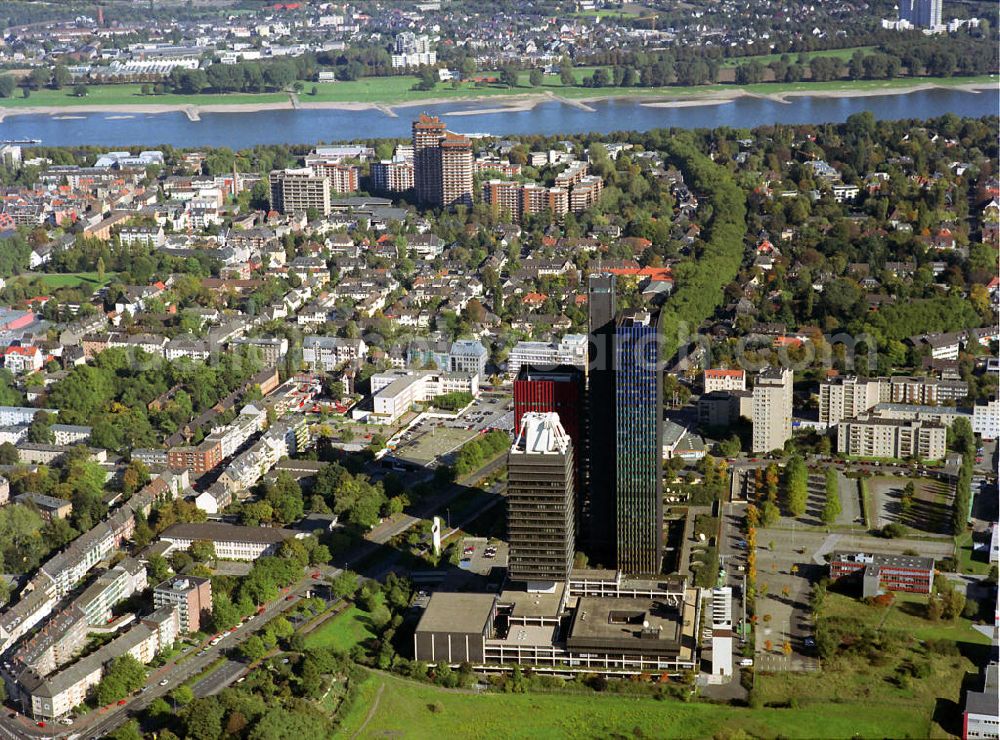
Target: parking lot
930, 512
480, 556
429, 439
489, 411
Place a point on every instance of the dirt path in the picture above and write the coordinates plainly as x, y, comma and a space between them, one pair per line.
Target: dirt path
371, 712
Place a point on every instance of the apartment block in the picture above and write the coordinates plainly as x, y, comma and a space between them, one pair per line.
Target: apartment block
196, 460
585, 193
986, 419
869, 436
540, 503
525, 199
456, 171
329, 353
771, 412
390, 176
845, 397
344, 178
427, 132
298, 190
191, 595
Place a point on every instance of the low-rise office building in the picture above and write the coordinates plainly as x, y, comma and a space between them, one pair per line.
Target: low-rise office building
879, 572
231, 542
395, 392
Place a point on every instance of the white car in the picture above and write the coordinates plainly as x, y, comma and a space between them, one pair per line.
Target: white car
746, 662
164, 682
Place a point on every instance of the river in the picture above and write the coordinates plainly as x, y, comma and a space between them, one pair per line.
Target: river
307, 126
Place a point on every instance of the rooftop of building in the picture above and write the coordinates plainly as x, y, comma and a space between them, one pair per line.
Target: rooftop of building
227, 533
618, 621
457, 612
533, 604
883, 559
181, 584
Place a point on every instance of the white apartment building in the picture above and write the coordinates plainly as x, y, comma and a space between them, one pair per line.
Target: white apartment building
570, 350
895, 438
772, 409
721, 379
986, 419
848, 396
328, 353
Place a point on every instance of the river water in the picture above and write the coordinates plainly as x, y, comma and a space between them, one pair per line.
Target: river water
306, 126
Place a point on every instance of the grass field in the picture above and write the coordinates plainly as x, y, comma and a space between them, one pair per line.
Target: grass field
927, 707
968, 561
342, 632
75, 280
844, 54
412, 710
113, 95
398, 90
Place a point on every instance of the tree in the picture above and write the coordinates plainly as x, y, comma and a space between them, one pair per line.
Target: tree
508, 77
128, 731
40, 429
253, 649
7, 86
183, 695
831, 506
203, 719
202, 550
79, 90
566, 76
344, 585
61, 76
796, 486
125, 675
535, 77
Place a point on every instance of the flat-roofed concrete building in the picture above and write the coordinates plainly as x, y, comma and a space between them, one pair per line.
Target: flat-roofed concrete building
981, 718
871, 436
395, 392
191, 595
298, 190
848, 396
597, 622
772, 409
881, 572
231, 542
454, 628
540, 502
571, 349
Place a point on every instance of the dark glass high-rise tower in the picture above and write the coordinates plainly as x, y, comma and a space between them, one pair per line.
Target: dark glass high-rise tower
638, 429
598, 531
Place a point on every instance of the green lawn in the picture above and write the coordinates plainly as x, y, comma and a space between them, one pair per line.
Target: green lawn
342, 632
844, 54
112, 95
968, 561
413, 710
398, 90
918, 707
75, 279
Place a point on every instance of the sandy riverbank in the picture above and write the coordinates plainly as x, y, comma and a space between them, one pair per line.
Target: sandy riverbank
500, 104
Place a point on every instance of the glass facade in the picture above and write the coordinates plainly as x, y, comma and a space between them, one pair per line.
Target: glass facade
638, 433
